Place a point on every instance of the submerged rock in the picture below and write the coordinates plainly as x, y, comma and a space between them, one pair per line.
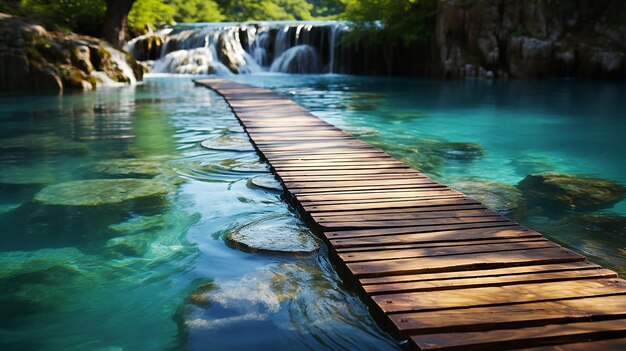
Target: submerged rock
44, 143
265, 182
497, 196
130, 168
571, 192
235, 142
274, 234
602, 224
459, 151
101, 192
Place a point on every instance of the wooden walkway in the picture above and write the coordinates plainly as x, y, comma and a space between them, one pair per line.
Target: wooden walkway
435, 267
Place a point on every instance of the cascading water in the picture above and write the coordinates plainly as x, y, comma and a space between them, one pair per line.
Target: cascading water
224, 48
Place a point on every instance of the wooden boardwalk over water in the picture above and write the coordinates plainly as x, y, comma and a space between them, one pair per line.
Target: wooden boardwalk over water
435, 267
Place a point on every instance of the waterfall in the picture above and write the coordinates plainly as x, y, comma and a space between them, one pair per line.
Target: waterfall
240, 48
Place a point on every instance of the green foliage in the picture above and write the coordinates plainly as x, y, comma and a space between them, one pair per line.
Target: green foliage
258, 10
148, 14
84, 16
392, 22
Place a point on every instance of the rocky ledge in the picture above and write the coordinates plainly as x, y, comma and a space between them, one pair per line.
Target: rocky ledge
532, 39
32, 58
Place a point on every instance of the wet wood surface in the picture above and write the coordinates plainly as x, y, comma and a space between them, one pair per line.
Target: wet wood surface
435, 267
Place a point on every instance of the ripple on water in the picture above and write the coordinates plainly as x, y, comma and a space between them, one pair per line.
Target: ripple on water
229, 142
279, 306
225, 170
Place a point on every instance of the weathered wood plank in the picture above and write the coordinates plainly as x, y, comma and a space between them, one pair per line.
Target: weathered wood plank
461, 262
509, 316
485, 273
379, 255
481, 282
496, 295
439, 266
530, 336
449, 236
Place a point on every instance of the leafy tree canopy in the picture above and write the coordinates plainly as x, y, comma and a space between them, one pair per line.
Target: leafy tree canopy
392, 22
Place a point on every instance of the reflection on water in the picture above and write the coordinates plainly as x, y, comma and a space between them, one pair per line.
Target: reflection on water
116, 221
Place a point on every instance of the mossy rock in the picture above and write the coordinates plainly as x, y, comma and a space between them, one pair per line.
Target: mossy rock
571, 192
140, 224
235, 142
140, 168
496, 196
128, 246
602, 223
268, 182
274, 234
101, 192
459, 151
44, 143
199, 295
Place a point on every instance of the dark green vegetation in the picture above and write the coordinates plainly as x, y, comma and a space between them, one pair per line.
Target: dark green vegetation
88, 16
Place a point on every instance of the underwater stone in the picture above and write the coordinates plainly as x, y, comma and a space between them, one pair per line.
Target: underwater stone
496, 196
460, 151
572, 192
100, 192
130, 168
274, 234
44, 143
234, 142
265, 182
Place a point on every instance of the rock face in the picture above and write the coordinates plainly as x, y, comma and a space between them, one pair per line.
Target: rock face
531, 39
32, 58
563, 191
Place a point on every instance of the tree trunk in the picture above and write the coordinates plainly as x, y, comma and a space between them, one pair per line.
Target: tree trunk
114, 30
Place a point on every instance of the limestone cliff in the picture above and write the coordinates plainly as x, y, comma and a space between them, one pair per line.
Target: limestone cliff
31, 58
532, 39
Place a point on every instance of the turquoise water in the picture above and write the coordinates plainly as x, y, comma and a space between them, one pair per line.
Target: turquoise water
159, 272
522, 127
155, 273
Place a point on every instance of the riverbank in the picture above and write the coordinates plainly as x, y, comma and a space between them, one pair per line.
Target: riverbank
34, 59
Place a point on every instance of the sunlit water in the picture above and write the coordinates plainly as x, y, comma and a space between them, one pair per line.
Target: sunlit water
160, 274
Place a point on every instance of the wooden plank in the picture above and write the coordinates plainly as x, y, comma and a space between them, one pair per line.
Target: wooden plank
461, 262
484, 273
498, 232
410, 223
523, 337
379, 255
388, 205
443, 208
379, 195
496, 295
431, 259
481, 282
611, 344
509, 316
383, 247
310, 191
363, 233
480, 212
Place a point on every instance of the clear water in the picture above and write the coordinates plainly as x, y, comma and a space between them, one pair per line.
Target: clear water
161, 275
165, 278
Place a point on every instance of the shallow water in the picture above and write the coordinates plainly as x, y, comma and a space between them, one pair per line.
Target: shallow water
159, 273
156, 273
